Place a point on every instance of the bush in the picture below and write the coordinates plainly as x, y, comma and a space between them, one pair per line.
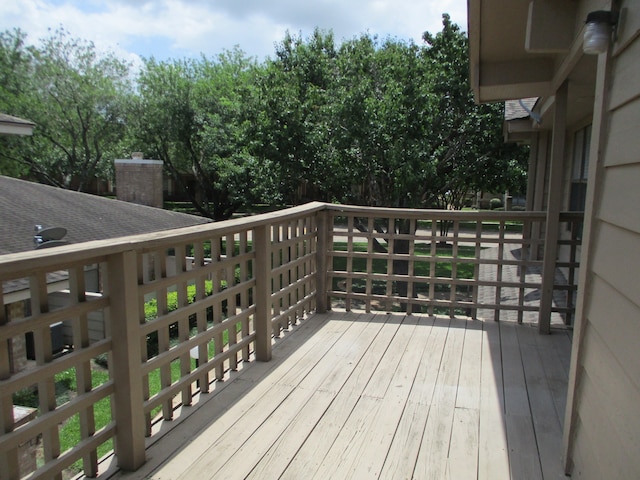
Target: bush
102, 360
151, 312
495, 203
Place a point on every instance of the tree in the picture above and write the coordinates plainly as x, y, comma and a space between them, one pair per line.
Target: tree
385, 123
381, 99
293, 126
15, 71
468, 151
195, 115
77, 99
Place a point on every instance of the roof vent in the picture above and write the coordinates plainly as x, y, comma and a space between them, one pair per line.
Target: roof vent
49, 237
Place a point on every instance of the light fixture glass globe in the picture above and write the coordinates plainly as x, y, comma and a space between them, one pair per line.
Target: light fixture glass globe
597, 32
596, 38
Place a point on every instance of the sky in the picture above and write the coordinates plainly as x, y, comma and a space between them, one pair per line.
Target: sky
165, 29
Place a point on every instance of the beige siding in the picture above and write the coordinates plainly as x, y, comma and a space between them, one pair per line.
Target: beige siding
626, 78
606, 424
624, 141
620, 206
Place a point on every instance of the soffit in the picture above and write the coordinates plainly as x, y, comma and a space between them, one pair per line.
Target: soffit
501, 66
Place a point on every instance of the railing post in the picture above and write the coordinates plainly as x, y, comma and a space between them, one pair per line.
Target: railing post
321, 261
262, 297
122, 288
8, 459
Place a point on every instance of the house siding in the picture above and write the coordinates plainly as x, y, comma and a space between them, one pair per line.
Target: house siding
605, 423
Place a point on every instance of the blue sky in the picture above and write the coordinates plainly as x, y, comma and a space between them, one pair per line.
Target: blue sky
186, 28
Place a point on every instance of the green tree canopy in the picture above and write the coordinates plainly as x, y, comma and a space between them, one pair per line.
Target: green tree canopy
369, 121
386, 123
76, 97
195, 115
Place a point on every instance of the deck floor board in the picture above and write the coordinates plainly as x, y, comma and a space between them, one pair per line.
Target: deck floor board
378, 396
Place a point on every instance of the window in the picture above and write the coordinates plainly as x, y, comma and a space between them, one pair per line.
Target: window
580, 169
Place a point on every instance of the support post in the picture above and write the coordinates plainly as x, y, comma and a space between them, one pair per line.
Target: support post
538, 192
553, 208
321, 262
262, 272
122, 285
532, 169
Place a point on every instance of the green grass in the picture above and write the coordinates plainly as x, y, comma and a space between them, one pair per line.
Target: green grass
421, 268
487, 226
443, 269
70, 430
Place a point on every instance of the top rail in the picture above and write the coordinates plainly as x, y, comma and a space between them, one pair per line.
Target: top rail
70, 254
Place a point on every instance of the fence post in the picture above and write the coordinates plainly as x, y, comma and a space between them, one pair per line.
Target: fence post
262, 297
321, 262
122, 288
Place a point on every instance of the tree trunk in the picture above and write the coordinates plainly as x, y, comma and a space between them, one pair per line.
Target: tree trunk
401, 267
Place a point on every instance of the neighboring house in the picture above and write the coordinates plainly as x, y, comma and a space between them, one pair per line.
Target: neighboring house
23, 205
10, 125
584, 131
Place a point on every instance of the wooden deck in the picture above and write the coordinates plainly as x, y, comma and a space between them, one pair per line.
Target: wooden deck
359, 396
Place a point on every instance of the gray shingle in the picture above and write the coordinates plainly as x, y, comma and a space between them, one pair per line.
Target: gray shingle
86, 217
513, 110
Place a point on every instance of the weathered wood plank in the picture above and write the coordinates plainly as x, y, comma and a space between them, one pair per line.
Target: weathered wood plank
368, 459
523, 457
493, 452
468, 394
267, 409
464, 447
388, 364
463, 450
318, 444
239, 462
546, 419
404, 448
437, 409
336, 462
357, 339
433, 455
285, 447
208, 421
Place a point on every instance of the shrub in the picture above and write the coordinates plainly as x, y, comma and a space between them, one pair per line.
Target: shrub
102, 360
151, 312
495, 203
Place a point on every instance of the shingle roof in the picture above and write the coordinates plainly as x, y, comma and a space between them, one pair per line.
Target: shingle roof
86, 217
4, 118
11, 125
513, 109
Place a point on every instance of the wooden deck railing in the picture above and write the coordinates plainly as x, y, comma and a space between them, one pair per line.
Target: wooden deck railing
447, 262
182, 307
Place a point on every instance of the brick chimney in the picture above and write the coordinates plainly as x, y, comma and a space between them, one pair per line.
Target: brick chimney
139, 180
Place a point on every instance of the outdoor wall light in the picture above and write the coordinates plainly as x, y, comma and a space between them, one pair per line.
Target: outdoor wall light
598, 31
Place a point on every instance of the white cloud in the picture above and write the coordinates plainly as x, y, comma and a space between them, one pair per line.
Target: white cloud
179, 28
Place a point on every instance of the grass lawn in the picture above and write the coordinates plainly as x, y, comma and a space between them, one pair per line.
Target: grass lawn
421, 268
443, 269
